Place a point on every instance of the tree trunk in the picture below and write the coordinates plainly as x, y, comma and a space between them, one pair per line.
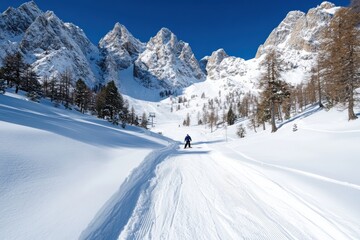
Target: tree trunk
273, 125
351, 113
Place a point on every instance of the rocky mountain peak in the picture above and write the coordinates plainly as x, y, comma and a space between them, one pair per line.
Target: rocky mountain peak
167, 63
299, 31
163, 37
119, 49
326, 5
217, 56
30, 9
119, 34
15, 21
214, 61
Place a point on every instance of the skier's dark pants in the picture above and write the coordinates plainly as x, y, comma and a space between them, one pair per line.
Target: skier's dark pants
187, 144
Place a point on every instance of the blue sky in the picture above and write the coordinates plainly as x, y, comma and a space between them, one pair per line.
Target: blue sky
207, 25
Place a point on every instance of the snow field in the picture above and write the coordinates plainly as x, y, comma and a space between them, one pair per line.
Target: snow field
64, 175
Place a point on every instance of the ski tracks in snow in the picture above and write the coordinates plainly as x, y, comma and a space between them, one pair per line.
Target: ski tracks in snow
115, 214
193, 194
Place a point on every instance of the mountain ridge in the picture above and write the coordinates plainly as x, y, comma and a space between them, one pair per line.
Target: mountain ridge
164, 62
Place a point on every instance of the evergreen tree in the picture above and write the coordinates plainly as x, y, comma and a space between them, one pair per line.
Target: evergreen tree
109, 103
231, 117
65, 86
13, 68
113, 100
132, 116
30, 82
82, 95
100, 103
274, 89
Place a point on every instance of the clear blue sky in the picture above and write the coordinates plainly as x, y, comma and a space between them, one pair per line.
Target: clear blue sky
207, 25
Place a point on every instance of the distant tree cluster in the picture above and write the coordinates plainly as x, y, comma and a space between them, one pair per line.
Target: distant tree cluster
104, 101
166, 93
19, 74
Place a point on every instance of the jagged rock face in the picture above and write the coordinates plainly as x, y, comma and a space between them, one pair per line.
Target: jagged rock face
53, 47
297, 41
13, 24
231, 67
167, 63
231, 73
119, 50
202, 63
220, 65
15, 21
214, 62
299, 31
49, 45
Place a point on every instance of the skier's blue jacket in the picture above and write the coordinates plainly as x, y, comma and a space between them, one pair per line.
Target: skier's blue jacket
187, 138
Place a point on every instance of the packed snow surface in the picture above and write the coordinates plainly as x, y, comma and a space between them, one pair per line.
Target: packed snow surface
65, 175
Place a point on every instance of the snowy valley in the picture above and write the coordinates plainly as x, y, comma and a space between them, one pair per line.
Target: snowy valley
69, 175
66, 175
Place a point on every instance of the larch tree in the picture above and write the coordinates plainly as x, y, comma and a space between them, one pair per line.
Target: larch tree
342, 49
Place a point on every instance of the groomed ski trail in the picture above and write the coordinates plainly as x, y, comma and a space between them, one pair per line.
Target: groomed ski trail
201, 194
114, 215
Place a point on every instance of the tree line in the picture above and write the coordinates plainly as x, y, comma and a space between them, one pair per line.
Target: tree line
104, 101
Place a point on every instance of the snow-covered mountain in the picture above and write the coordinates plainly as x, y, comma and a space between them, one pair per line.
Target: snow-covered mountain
119, 49
230, 74
48, 44
300, 31
297, 39
167, 63
13, 24
52, 47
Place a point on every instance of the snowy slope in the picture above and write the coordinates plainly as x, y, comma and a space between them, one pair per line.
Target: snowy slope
64, 175
57, 168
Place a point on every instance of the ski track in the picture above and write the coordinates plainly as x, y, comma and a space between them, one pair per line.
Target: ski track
114, 215
173, 198
300, 172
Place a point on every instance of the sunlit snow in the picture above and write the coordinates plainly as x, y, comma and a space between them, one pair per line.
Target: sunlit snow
64, 175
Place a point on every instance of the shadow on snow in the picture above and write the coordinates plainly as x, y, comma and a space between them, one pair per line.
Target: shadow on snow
78, 126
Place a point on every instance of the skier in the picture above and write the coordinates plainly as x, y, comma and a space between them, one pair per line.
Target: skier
187, 141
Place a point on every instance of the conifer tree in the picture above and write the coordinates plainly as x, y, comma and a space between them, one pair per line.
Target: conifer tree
30, 81
109, 103
231, 117
13, 69
274, 88
342, 58
82, 95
